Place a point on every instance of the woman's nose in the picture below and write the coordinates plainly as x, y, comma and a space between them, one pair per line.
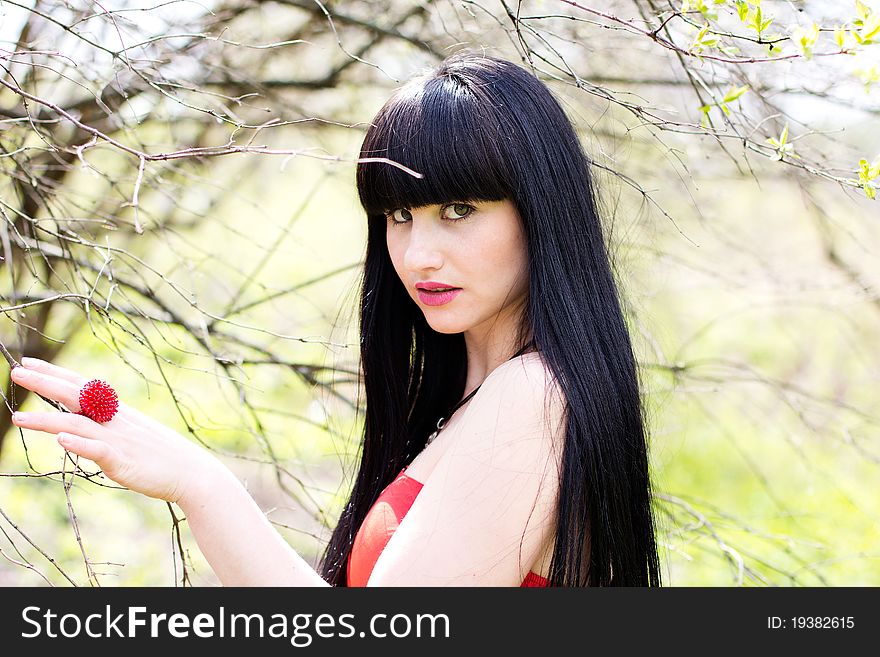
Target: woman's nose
424, 250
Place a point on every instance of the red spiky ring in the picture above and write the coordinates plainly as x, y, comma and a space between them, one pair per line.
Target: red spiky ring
98, 401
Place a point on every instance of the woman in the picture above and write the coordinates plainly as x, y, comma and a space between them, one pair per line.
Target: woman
539, 476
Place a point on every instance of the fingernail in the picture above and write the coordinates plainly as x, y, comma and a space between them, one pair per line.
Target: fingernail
20, 415
27, 361
19, 371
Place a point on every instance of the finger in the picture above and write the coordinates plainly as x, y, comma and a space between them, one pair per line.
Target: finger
58, 422
54, 370
94, 450
48, 386
50, 369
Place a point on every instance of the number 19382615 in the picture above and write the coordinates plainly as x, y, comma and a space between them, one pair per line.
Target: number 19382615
810, 622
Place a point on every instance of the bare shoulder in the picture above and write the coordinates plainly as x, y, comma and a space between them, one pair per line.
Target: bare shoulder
531, 366
528, 380
519, 408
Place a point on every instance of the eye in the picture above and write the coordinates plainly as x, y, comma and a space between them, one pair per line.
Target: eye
405, 215
460, 209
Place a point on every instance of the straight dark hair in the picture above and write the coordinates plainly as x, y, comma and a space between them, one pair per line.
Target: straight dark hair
484, 129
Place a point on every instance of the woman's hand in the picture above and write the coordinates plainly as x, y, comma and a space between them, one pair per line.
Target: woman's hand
132, 449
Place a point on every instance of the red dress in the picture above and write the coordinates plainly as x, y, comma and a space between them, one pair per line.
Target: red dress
381, 522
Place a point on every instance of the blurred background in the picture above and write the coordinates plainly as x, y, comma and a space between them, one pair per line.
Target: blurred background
178, 216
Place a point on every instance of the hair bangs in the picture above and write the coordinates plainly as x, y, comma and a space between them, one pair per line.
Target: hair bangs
442, 130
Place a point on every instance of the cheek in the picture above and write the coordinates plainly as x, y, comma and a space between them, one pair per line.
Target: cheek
495, 255
514, 258
503, 273
395, 253
518, 266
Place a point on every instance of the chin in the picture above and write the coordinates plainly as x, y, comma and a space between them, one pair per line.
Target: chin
446, 328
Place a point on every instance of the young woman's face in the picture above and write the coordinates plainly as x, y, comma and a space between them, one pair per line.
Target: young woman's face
477, 247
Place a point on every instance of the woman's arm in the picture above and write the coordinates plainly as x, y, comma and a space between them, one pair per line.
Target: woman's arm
145, 456
237, 539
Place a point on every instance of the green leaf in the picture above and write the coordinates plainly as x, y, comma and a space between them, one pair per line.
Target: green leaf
735, 93
701, 41
804, 38
700, 6
870, 28
755, 20
781, 145
869, 76
868, 173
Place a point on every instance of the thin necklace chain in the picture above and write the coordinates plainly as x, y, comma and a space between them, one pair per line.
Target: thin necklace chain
442, 421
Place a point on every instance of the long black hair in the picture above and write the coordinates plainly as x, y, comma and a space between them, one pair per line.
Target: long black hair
482, 128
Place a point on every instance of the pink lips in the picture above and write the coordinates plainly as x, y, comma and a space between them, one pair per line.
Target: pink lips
437, 298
